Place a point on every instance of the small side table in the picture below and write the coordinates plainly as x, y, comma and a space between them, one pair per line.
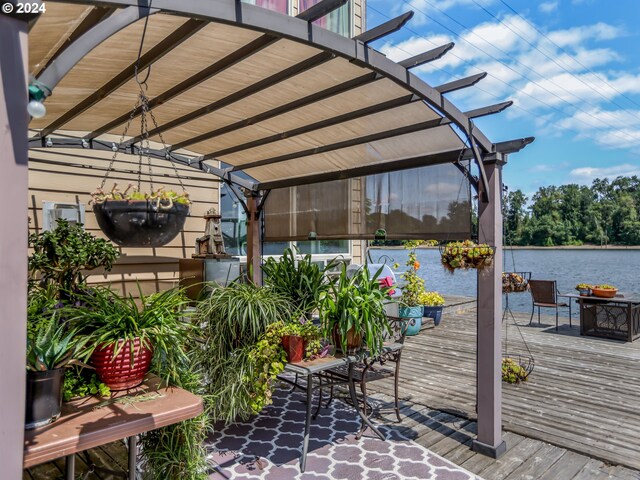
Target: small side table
91, 422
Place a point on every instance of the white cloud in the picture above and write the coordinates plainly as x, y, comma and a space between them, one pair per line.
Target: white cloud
548, 7
422, 7
577, 35
587, 174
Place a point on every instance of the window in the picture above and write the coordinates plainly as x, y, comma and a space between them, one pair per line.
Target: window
233, 223
281, 6
338, 21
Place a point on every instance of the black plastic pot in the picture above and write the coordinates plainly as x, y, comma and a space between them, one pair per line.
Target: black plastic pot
44, 397
140, 223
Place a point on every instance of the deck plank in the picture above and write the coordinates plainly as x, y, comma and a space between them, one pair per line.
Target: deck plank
582, 396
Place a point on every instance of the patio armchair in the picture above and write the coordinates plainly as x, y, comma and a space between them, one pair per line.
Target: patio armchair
544, 294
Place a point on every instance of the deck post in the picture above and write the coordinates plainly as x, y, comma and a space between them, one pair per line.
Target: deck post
489, 341
14, 121
254, 240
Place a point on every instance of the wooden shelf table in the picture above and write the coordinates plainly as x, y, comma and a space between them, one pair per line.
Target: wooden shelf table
90, 422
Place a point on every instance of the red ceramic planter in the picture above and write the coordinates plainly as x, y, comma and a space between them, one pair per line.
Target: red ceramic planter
119, 372
294, 347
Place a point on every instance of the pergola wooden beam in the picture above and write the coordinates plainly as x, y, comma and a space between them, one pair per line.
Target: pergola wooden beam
384, 29
427, 57
320, 9
461, 83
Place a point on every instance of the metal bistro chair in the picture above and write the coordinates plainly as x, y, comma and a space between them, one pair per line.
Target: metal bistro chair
377, 369
545, 294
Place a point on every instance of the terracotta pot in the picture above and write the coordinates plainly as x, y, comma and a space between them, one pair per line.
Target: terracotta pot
120, 372
354, 340
294, 347
604, 292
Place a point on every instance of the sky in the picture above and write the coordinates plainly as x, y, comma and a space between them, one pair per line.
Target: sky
571, 67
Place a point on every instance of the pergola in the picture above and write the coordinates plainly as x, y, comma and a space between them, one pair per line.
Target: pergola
278, 100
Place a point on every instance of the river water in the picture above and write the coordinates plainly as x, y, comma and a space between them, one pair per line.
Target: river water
568, 267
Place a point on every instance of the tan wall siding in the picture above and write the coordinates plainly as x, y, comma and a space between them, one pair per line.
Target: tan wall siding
69, 175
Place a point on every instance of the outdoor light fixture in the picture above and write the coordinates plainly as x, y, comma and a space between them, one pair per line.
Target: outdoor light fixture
37, 94
312, 236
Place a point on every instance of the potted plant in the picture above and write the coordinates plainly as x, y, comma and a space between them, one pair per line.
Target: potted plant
513, 282
298, 278
353, 312
122, 335
604, 290
466, 255
50, 347
433, 305
583, 289
300, 339
412, 289
60, 256
238, 360
136, 219
513, 372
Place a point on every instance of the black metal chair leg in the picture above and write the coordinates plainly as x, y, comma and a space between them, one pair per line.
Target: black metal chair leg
395, 390
538, 315
533, 310
569, 313
556, 319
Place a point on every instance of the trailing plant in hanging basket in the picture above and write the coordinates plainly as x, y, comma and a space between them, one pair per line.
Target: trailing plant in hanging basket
513, 371
465, 255
513, 282
139, 219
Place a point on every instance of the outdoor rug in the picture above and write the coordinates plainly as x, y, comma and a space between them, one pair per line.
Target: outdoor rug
269, 447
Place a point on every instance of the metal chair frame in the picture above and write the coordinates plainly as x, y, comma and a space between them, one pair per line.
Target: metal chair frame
546, 298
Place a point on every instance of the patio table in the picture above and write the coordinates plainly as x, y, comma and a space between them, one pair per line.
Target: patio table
617, 318
319, 366
90, 422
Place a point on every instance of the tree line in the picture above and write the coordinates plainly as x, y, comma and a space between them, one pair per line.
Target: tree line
605, 213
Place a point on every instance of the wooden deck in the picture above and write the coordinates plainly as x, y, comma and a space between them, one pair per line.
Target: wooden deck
577, 418
583, 396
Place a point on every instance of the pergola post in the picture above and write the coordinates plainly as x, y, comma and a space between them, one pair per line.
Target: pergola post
254, 238
489, 341
14, 121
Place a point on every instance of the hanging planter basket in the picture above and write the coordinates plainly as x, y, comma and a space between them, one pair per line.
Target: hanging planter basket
465, 255
140, 223
515, 282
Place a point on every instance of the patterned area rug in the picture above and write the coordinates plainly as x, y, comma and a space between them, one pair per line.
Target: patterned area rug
269, 447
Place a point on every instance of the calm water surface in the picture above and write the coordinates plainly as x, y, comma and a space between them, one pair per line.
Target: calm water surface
620, 268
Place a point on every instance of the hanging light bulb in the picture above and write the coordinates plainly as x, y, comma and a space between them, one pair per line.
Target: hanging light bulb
35, 107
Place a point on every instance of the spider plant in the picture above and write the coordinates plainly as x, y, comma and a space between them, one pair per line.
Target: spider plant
233, 320
301, 280
354, 306
108, 319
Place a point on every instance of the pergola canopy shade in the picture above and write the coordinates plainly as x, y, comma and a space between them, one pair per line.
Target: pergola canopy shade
272, 96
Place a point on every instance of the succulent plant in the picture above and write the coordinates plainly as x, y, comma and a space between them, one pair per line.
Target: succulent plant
512, 372
583, 286
163, 198
466, 255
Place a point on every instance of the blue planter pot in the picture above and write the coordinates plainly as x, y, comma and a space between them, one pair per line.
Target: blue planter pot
435, 313
414, 314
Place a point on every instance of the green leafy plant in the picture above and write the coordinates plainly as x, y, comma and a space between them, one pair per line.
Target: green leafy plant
431, 299
604, 286
59, 256
310, 332
49, 345
106, 318
466, 255
164, 199
234, 320
413, 285
78, 383
512, 372
355, 307
297, 277
583, 286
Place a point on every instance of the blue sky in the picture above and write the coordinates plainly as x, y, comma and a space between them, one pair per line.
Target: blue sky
572, 67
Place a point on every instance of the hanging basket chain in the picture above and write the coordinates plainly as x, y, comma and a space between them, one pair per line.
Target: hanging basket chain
167, 151
145, 146
117, 147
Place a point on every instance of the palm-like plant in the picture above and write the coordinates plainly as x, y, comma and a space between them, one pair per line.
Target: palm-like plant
298, 278
355, 306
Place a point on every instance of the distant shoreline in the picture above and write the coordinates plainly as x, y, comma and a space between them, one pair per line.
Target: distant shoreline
533, 247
